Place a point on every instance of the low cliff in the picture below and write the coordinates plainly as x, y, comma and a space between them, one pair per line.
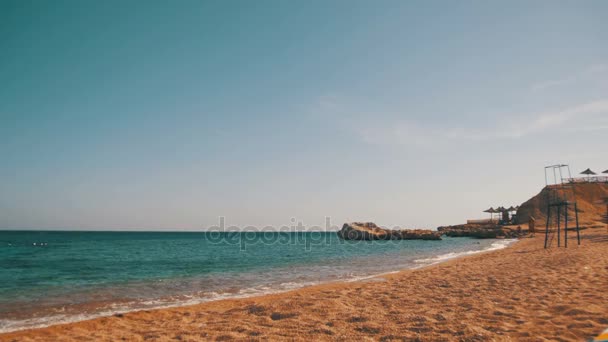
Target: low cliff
480, 231
369, 231
590, 199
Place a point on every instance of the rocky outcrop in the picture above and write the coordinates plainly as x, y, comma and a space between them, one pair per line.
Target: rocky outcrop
480, 231
369, 231
590, 199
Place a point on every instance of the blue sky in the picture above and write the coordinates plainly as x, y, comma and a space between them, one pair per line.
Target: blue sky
167, 115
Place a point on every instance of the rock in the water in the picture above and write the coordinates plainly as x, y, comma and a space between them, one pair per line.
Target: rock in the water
480, 231
369, 231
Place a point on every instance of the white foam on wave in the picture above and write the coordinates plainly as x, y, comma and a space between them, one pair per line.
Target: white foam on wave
355, 279
443, 257
8, 325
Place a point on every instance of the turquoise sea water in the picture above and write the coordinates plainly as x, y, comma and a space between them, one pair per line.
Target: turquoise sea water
50, 277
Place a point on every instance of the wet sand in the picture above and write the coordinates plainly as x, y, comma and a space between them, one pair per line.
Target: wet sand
523, 292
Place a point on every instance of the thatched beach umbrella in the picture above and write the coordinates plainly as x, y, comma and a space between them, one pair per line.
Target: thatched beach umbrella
589, 173
512, 210
605, 171
502, 211
491, 211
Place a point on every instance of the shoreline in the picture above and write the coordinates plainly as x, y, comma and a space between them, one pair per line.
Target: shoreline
519, 292
423, 263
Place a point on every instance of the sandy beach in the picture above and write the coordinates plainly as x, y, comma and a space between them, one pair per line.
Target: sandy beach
523, 292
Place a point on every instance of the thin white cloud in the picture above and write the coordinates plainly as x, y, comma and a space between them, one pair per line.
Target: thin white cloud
590, 71
380, 127
583, 117
596, 69
549, 84
578, 117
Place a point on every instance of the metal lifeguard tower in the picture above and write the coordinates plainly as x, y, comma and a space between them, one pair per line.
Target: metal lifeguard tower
560, 199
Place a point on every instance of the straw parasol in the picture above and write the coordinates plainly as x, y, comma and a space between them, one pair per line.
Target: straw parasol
605, 171
501, 210
588, 172
513, 211
491, 211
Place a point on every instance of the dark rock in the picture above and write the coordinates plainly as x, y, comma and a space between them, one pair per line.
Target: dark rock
369, 231
480, 231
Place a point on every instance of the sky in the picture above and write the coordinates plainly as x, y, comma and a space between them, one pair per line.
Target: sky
166, 115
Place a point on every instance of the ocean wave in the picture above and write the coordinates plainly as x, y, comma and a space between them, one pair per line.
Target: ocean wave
444, 257
10, 325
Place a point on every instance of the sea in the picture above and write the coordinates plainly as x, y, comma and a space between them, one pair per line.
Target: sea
52, 277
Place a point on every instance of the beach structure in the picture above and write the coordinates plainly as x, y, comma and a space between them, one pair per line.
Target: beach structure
560, 201
512, 212
505, 214
556, 171
588, 173
589, 176
492, 211
500, 210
